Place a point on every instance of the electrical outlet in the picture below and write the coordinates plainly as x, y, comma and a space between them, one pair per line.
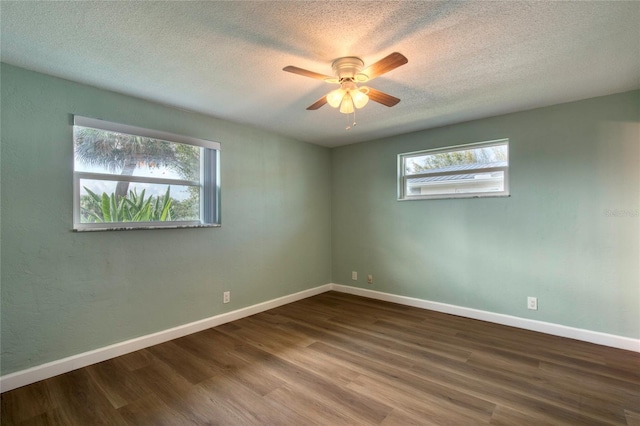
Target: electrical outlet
354, 275
369, 279
226, 297
532, 303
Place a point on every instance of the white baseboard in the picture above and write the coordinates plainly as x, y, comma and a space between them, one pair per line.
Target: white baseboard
524, 323
54, 368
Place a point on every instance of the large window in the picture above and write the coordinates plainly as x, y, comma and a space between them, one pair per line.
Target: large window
126, 177
464, 171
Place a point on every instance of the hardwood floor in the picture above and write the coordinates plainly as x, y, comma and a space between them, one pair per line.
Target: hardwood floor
337, 359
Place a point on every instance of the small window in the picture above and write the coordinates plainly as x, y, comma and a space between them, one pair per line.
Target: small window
127, 177
464, 171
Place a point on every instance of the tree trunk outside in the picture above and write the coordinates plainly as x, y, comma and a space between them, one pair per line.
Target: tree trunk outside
122, 188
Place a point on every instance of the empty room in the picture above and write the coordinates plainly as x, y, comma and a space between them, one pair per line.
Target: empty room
320, 213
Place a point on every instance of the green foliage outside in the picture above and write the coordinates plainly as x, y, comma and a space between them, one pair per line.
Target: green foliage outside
457, 158
134, 208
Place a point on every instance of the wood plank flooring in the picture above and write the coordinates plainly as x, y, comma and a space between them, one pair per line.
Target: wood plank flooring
337, 359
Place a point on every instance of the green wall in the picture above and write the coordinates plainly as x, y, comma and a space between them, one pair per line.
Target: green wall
296, 216
64, 293
552, 238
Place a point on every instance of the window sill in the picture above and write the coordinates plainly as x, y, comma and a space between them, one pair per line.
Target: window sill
145, 228
452, 197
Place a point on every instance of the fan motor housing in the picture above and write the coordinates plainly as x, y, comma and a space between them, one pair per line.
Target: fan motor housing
347, 67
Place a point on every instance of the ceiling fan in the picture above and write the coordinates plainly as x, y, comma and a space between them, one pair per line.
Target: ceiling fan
348, 73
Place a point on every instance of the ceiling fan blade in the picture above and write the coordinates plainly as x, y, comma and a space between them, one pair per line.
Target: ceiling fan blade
317, 104
382, 98
307, 73
385, 65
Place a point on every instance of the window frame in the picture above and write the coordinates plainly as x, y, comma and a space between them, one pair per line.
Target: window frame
209, 182
403, 177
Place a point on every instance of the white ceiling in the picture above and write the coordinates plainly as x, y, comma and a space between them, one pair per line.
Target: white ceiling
467, 60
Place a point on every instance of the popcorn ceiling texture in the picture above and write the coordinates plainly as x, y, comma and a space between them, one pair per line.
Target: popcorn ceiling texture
467, 60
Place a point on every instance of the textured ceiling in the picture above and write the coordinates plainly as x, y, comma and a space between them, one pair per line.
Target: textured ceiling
467, 60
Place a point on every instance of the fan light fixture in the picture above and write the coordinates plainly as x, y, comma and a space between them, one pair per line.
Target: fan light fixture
348, 97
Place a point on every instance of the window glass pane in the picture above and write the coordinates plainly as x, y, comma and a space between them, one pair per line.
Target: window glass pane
464, 171
456, 184
128, 174
112, 201
465, 159
102, 151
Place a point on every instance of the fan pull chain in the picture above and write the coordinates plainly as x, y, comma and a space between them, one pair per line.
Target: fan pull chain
349, 120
